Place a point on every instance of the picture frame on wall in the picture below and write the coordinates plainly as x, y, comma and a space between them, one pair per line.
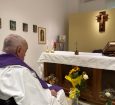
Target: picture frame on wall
0, 22
35, 28
12, 25
61, 38
41, 35
25, 27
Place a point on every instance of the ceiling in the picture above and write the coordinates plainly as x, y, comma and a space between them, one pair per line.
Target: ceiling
89, 5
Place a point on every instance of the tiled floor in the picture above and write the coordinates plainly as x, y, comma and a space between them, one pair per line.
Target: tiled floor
81, 102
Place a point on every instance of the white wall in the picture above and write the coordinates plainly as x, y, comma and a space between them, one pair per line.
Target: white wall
75, 6
110, 3
49, 14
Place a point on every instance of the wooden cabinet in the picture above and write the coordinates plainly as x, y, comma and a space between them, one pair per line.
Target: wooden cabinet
98, 80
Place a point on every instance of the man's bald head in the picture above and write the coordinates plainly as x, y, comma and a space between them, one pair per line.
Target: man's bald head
14, 44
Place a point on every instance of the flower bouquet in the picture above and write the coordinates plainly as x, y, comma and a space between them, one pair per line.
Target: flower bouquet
109, 95
78, 79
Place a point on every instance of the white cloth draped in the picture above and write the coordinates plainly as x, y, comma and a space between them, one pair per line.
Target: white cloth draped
17, 81
84, 59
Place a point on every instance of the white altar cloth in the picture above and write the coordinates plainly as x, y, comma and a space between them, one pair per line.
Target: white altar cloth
84, 59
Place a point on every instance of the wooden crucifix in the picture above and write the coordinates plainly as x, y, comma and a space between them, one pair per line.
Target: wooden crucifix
102, 18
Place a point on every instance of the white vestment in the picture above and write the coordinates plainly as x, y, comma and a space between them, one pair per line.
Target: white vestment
18, 82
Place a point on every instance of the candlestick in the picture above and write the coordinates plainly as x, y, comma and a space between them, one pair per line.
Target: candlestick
47, 49
76, 51
52, 46
52, 50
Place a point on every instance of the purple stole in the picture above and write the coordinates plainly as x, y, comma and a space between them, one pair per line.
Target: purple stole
10, 59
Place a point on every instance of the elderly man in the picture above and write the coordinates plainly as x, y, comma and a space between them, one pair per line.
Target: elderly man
20, 81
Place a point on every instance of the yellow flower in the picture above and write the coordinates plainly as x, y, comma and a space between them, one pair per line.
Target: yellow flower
76, 78
76, 81
68, 78
72, 93
74, 70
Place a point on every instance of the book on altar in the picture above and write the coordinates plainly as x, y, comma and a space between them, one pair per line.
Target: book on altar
109, 49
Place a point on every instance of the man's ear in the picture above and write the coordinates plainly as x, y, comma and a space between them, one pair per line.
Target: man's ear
18, 50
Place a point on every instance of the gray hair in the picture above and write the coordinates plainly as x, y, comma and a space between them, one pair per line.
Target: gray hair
11, 43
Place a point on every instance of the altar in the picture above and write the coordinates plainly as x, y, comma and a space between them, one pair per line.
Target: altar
101, 71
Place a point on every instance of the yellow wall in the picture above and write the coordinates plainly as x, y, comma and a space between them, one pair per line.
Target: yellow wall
84, 28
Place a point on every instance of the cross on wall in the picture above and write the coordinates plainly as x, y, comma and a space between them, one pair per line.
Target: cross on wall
102, 18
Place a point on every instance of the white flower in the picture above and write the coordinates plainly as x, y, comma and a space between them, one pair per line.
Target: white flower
85, 77
107, 94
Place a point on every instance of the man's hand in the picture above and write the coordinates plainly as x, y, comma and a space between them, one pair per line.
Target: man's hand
54, 93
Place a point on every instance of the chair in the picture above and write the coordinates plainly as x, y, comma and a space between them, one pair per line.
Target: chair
10, 101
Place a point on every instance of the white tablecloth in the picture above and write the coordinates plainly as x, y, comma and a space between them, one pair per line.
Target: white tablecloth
84, 59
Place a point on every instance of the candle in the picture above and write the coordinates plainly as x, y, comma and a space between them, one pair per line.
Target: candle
76, 44
47, 49
52, 46
52, 43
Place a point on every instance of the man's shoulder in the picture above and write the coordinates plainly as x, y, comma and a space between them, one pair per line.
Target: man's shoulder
15, 71
14, 68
